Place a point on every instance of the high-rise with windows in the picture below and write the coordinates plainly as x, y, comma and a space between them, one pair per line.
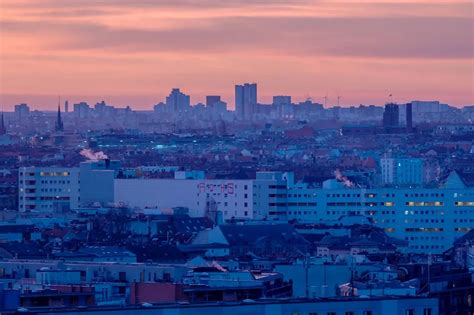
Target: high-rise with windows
177, 101
212, 99
22, 111
402, 171
245, 100
48, 189
390, 115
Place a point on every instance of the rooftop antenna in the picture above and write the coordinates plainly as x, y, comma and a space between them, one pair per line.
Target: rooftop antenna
390, 97
325, 99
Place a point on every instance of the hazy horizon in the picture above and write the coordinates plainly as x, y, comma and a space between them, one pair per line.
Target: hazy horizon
146, 102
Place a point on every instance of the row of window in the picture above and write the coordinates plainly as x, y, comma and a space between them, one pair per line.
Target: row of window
464, 203
302, 195
409, 311
426, 246
373, 195
55, 190
426, 238
46, 198
46, 182
424, 203
425, 229
359, 204
225, 195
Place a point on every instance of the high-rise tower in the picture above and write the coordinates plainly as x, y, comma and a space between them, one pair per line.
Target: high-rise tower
245, 100
390, 115
177, 101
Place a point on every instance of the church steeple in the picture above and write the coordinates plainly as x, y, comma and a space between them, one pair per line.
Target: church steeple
59, 123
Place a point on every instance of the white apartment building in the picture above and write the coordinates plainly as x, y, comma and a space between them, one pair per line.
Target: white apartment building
48, 189
402, 171
226, 198
430, 219
270, 199
232, 198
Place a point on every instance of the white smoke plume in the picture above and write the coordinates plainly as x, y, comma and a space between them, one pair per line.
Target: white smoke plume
343, 179
93, 156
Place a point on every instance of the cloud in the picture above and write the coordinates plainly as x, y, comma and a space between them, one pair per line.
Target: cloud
398, 37
98, 46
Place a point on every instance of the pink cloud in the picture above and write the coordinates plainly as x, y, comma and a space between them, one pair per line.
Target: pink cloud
144, 47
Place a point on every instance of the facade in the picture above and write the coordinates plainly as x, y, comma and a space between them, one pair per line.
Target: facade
96, 272
245, 100
270, 197
81, 110
218, 109
402, 171
283, 106
97, 181
430, 219
212, 99
22, 111
316, 279
281, 100
203, 197
48, 189
355, 306
177, 101
428, 111
390, 115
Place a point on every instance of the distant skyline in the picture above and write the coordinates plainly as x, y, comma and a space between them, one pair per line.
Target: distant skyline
134, 52
146, 102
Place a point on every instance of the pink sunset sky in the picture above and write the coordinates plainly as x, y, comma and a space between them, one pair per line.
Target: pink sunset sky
132, 52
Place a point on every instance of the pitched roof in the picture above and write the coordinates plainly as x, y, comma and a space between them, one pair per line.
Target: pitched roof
252, 233
27, 250
469, 236
158, 253
16, 228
